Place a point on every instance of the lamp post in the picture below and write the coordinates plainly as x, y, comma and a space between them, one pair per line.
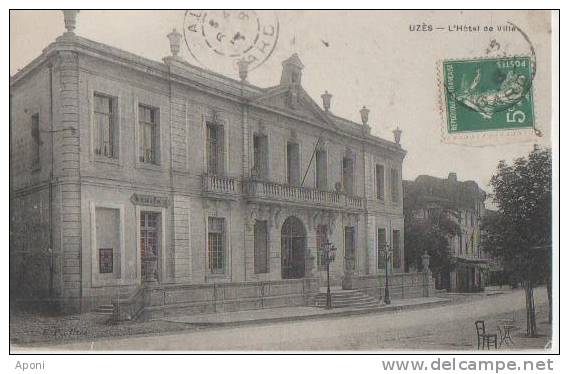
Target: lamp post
387, 253
328, 256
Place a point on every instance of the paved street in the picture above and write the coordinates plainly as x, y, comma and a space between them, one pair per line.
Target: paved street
446, 327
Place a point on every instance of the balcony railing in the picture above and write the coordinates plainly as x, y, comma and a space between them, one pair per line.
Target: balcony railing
301, 195
220, 185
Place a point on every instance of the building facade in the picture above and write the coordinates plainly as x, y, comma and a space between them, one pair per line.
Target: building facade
464, 204
219, 192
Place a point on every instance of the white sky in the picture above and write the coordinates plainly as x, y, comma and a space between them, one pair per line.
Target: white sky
372, 59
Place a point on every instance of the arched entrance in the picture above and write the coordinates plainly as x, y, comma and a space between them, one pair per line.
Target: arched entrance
293, 248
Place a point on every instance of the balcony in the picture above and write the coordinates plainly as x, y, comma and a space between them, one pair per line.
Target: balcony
220, 186
302, 196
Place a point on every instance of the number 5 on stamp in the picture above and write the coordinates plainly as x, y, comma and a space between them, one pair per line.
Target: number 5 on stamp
488, 95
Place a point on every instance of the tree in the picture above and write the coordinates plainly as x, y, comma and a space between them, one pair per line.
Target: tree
431, 233
519, 233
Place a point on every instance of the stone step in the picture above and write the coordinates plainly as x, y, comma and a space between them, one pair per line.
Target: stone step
350, 300
105, 309
338, 297
351, 305
347, 299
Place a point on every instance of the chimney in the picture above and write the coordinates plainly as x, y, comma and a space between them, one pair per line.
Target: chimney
326, 99
70, 19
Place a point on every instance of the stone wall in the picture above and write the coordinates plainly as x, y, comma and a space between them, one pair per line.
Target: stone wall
401, 285
187, 299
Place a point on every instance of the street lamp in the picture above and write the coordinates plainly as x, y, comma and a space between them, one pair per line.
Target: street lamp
328, 256
387, 252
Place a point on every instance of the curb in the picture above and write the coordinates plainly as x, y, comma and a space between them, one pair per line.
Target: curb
333, 314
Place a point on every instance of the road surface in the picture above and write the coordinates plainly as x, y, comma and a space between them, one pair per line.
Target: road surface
446, 327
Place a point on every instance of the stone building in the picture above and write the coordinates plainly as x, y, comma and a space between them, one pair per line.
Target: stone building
464, 203
218, 193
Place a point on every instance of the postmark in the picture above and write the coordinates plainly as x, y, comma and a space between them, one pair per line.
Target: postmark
488, 94
219, 39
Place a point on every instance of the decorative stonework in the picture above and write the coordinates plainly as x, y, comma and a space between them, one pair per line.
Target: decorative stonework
174, 38
322, 145
350, 219
70, 19
364, 112
322, 217
293, 134
326, 101
397, 135
350, 153
149, 200
262, 129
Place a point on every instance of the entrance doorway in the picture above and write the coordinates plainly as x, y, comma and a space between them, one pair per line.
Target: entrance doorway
293, 248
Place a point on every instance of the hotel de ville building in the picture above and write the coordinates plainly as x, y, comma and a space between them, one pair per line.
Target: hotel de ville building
161, 186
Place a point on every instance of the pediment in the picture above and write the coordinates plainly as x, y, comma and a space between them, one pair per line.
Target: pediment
280, 98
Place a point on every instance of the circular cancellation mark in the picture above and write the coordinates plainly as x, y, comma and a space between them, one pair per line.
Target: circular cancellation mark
218, 39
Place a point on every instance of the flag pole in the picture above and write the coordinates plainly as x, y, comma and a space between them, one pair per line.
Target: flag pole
311, 158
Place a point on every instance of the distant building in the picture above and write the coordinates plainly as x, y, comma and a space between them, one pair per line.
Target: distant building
464, 204
126, 170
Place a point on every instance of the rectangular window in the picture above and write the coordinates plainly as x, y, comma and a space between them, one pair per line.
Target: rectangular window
460, 243
35, 130
321, 170
381, 243
104, 128
215, 149
380, 182
394, 185
350, 241
149, 233
107, 234
348, 175
261, 247
148, 135
105, 260
321, 240
260, 156
293, 163
216, 245
396, 249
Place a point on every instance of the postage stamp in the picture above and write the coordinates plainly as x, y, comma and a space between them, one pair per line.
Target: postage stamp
221, 38
489, 96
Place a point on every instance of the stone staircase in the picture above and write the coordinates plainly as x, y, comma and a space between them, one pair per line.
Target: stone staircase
106, 309
346, 299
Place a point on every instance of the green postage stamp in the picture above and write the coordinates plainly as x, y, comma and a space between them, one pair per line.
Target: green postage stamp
487, 97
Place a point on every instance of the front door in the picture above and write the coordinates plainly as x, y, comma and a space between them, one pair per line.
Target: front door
293, 248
